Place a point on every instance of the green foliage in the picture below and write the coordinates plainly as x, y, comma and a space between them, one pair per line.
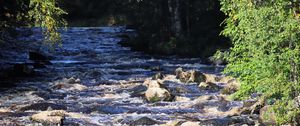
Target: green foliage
265, 53
47, 14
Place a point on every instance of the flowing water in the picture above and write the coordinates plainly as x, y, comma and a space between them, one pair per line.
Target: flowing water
111, 73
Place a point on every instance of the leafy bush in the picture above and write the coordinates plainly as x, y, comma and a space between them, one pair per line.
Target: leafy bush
47, 14
40, 13
265, 53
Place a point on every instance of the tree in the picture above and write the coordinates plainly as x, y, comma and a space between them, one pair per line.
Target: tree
265, 53
40, 13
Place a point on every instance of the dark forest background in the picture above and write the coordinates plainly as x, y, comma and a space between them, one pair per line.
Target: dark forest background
188, 28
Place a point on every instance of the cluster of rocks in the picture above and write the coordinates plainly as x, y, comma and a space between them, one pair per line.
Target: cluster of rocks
69, 84
157, 90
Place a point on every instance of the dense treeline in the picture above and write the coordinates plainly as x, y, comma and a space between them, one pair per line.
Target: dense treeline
182, 27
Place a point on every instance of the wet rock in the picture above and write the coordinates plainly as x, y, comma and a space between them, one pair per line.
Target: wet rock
55, 117
157, 76
71, 80
211, 78
267, 116
172, 123
43, 107
154, 84
249, 103
157, 94
4, 110
138, 91
143, 121
182, 99
208, 86
223, 105
190, 124
205, 98
231, 87
70, 87
189, 76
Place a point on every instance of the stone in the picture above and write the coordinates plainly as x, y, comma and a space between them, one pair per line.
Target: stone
71, 80
182, 99
172, 123
71, 87
43, 107
4, 110
224, 79
196, 76
157, 94
208, 86
211, 78
181, 75
231, 87
267, 116
158, 75
190, 124
55, 117
138, 91
189, 76
153, 84
143, 121
249, 103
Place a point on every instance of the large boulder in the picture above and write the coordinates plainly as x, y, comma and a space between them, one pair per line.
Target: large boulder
157, 94
153, 83
189, 76
209, 86
55, 117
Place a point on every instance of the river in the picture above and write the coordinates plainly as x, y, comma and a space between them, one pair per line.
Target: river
106, 74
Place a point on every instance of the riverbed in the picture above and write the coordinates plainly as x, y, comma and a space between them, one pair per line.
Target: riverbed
102, 77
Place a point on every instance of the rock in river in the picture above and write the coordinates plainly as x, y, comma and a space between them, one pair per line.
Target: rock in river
143, 121
189, 76
157, 94
208, 86
49, 117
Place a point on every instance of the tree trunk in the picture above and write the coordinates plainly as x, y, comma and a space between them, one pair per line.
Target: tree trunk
174, 6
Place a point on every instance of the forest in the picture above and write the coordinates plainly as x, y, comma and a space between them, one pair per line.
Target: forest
159, 62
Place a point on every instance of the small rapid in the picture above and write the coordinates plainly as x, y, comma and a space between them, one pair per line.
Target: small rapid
104, 76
